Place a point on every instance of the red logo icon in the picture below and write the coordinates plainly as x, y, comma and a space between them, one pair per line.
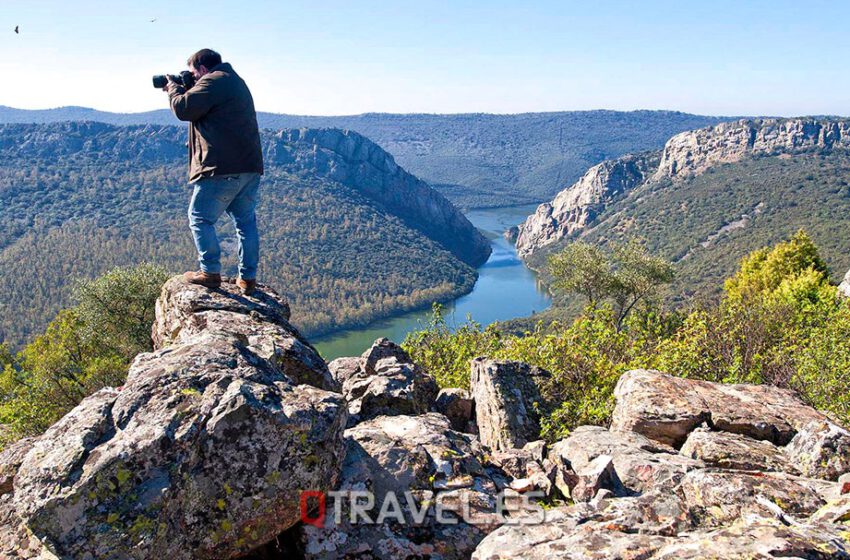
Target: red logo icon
313, 513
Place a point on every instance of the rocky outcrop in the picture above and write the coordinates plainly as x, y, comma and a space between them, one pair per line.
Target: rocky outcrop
641, 465
505, 395
577, 206
691, 153
354, 160
423, 464
733, 490
685, 155
383, 381
667, 409
203, 453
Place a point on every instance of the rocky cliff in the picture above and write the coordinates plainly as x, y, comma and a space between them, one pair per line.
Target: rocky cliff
354, 160
685, 155
692, 152
206, 451
577, 206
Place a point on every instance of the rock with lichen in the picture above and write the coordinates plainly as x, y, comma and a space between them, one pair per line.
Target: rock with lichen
202, 454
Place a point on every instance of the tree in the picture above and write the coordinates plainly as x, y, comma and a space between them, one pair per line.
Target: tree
626, 276
117, 309
84, 349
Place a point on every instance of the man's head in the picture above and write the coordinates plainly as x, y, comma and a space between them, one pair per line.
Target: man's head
203, 61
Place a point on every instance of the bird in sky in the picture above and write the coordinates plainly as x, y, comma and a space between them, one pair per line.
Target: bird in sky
153, 20
16, 29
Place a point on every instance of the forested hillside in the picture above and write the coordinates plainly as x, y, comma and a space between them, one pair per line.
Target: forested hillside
476, 160
79, 199
719, 194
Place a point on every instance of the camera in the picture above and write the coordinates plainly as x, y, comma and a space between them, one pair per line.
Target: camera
184, 78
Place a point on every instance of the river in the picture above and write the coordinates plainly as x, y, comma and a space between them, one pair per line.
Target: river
505, 289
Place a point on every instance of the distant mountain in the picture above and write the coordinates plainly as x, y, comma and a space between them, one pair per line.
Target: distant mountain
347, 234
475, 159
709, 198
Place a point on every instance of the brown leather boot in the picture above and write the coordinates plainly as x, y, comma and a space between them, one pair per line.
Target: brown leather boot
202, 278
247, 286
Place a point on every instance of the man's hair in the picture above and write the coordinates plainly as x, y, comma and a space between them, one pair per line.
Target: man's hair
204, 57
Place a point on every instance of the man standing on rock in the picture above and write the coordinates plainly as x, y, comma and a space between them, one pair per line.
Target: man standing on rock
225, 164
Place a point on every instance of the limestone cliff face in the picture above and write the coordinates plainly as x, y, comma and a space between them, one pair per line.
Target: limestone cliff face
690, 153
354, 160
685, 155
577, 206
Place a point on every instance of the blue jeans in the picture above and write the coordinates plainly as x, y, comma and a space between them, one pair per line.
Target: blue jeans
237, 195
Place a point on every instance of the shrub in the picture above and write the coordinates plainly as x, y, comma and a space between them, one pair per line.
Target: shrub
84, 349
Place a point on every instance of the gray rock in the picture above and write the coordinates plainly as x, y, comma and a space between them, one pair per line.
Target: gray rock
759, 538
734, 451
202, 454
597, 475
667, 408
343, 368
16, 541
262, 320
505, 395
457, 406
422, 455
844, 286
691, 153
820, 449
577, 206
641, 465
717, 497
610, 529
836, 510
385, 382
10, 461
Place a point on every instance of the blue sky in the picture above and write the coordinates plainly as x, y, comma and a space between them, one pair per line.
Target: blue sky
345, 57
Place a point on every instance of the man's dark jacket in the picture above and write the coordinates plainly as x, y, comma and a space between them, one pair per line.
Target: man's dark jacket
223, 134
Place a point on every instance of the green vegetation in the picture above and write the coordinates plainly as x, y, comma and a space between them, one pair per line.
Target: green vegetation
626, 277
778, 321
341, 258
706, 224
85, 348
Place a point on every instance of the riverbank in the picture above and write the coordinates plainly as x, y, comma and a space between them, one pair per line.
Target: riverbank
505, 289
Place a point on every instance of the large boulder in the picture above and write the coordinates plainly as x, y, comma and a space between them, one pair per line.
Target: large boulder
184, 310
422, 462
506, 394
641, 465
667, 409
204, 452
383, 381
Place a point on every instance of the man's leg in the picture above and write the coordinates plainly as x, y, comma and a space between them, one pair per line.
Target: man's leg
209, 199
242, 211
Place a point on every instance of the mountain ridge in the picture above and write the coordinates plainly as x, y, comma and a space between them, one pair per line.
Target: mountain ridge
476, 159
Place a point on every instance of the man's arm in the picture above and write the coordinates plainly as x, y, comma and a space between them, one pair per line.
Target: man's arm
193, 104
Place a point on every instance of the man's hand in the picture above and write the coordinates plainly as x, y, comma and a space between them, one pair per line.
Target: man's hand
170, 82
